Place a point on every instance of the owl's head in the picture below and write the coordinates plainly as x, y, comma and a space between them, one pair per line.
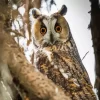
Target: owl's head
50, 29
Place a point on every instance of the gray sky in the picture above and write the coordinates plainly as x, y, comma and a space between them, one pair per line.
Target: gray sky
79, 19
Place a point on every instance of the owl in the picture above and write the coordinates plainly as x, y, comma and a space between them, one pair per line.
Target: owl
56, 55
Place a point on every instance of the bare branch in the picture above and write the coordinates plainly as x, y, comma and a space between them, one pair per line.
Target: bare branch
16, 32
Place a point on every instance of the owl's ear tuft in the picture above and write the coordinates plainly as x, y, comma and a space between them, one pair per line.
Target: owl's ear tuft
63, 10
36, 13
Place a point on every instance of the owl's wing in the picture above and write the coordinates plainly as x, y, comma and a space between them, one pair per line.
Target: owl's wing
75, 56
65, 71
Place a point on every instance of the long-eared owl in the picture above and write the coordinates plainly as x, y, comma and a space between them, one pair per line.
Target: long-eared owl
57, 57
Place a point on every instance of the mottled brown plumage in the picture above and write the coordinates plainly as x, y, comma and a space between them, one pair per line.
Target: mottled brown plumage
57, 57
65, 70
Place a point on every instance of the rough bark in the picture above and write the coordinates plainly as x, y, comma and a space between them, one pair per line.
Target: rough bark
95, 31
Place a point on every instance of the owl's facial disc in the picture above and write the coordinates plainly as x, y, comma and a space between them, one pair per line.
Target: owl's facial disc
53, 30
50, 29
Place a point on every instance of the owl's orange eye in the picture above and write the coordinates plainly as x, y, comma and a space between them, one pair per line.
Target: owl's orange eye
43, 30
58, 29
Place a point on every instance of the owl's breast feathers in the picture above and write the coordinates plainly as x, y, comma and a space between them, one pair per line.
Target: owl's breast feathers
63, 66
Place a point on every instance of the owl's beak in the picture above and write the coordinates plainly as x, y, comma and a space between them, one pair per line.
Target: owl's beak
51, 38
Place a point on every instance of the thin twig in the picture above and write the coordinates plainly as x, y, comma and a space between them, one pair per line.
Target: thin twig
85, 55
16, 32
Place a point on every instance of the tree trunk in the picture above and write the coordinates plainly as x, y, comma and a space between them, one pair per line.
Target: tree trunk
95, 31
